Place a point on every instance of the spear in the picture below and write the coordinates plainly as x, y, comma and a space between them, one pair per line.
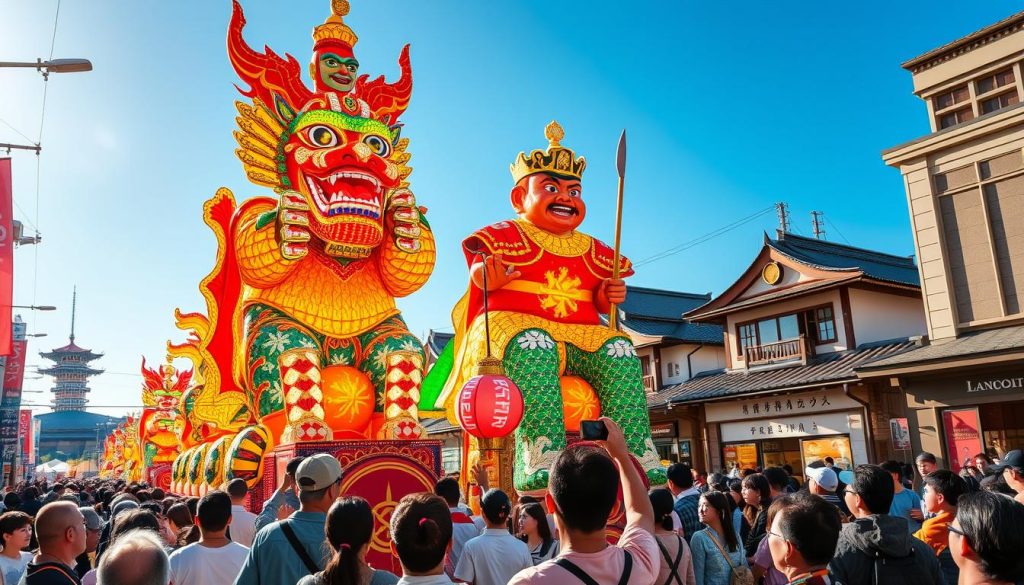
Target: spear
620, 165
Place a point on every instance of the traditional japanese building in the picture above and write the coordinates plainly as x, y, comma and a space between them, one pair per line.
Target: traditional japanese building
964, 185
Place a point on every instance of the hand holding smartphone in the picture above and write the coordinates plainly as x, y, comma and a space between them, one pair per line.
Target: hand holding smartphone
593, 430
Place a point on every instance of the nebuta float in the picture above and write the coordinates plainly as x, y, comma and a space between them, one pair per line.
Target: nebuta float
548, 285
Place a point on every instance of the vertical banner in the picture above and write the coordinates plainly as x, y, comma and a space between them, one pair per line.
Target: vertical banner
10, 402
899, 433
26, 439
6, 255
963, 436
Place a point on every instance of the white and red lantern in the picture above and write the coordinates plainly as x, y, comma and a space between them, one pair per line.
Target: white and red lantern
490, 405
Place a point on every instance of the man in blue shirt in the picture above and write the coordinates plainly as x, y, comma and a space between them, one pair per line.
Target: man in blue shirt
283, 495
279, 557
903, 500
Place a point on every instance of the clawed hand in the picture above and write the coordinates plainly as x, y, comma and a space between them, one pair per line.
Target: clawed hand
293, 225
404, 218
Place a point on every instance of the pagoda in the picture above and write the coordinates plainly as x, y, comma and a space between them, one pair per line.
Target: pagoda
71, 371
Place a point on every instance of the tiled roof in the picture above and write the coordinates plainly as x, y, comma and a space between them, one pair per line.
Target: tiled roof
435, 426
827, 255
968, 345
823, 369
659, 313
437, 340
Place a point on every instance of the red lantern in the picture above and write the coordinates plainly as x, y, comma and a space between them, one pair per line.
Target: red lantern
490, 405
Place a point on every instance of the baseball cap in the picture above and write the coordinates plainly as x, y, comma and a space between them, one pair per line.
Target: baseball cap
495, 504
823, 476
92, 519
318, 472
1014, 459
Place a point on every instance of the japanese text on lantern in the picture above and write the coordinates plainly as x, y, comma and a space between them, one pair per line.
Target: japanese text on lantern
467, 414
502, 395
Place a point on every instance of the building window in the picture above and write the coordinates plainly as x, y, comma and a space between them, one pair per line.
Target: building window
823, 324
951, 98
747, 336
995, 81
999, 102
955, 117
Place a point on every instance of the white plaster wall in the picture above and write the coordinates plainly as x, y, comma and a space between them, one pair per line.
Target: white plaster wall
673, 359
879, 316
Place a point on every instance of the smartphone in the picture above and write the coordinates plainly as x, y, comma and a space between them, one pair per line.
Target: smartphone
593, 430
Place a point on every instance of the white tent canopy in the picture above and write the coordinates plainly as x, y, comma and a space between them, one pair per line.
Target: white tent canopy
52, 468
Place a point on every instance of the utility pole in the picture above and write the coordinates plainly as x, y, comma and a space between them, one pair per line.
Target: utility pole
783, 212
818, 224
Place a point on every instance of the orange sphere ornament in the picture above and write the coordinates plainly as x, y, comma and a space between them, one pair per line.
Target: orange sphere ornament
579, 402
348, 398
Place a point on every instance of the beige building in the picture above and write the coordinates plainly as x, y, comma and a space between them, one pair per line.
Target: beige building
965, 190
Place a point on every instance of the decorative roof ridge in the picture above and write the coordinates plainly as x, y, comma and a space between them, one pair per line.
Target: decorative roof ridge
669, 293
965, 44
798, 241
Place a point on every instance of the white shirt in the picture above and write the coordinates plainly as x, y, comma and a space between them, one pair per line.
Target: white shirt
243, 525
464, 528
493, 558
441, 579
11, 570
196, 564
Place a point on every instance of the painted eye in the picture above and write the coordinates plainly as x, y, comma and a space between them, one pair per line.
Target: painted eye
574, 192
380, 146
331, 63
551, 188
352, 68
322, 136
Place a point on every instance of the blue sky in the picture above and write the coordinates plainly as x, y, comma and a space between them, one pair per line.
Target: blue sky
729, 107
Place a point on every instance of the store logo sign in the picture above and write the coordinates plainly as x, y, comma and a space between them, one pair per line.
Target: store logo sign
999, 384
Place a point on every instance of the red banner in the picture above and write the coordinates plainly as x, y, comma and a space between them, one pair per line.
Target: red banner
6, 255
963, 436
25, 433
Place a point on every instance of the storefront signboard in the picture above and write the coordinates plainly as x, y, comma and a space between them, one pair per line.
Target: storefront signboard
899, 432
802, 404
664, 431
832, 423
962, 429
1012, 383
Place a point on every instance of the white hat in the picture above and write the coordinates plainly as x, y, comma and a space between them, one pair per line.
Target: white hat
823, 476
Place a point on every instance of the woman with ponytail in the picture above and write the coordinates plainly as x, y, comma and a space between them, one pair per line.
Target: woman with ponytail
349, 529
421, 530
676, 560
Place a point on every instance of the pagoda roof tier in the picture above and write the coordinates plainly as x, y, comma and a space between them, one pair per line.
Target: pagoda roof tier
72, 349
65, 369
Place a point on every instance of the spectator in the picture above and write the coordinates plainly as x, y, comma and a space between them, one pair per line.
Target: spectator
583, 489
532, 528
986, 539
792, 485
135, 557
904, 501
1012, 470
93, 526
822, 482
60, 528
349, 530
181, 526
290, 549
757, 496
717, 553
982, 462
15, 534
421, 530
283, 502
805, 531
718, 482
778, 479
243, 522
464, 527
676, 566
737, 504
120, 507
829, 462
942, 490
215, 559
30, 503
158, 494
12, 502
680, 483
495, 556
877, 547
926, 463
762, 565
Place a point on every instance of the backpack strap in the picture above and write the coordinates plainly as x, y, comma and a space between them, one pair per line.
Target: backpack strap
545, 547
582, 575
311, 566
673, 566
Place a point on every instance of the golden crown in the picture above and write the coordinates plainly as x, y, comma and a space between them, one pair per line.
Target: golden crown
557, 159
334, 27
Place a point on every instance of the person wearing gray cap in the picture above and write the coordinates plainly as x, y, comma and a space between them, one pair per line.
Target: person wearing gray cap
290, 549
93, 526
1012, 469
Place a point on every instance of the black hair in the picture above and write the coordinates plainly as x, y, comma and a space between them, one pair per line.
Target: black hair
947, 483
788, 468
293, 465
894, 467
874, 485
536, 511
495, 506
193, 505
997, 483
159, 494
237, 488
925, 457
718, 482
12, 501
662, 502
155, 507
719, 502
584, 483
448, 489
349, 527
810, 524
777, 478
11, 521
759, 483
984, 456
991, 524
681, 474
830, 460
421, 529
214, 511
30, 493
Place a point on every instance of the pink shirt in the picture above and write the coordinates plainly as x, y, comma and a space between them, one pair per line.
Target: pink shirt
605, 566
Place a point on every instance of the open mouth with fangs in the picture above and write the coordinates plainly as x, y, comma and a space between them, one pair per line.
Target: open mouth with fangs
346, 192
563, 211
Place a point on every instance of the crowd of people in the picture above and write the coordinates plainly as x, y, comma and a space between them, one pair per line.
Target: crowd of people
763, 527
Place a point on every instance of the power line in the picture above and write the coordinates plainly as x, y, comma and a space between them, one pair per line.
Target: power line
833, 224
19, 132
704, 238
42, 122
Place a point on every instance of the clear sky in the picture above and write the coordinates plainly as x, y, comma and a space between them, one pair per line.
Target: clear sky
729, 106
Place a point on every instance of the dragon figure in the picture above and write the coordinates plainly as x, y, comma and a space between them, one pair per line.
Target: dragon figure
302, 340
162, 421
